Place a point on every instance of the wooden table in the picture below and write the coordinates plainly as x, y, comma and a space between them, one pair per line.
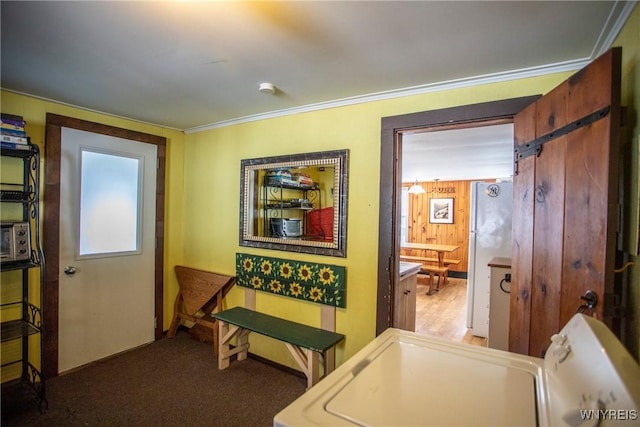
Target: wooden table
441, 270
441, 250
201, 293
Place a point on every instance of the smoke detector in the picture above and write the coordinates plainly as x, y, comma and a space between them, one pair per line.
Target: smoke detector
267, 88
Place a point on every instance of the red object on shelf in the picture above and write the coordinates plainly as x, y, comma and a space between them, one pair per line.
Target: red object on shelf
320, 223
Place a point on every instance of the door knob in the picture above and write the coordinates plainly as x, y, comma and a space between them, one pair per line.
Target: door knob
70, 270
590, 299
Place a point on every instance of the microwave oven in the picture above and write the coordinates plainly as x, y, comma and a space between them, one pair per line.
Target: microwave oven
286, 227
15, 242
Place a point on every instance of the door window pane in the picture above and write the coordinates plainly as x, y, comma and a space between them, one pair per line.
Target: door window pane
109, 203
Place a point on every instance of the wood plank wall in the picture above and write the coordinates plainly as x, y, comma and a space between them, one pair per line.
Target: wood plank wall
422, 231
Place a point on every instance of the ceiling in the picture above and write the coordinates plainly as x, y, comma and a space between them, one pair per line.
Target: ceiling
458, 154
197, 65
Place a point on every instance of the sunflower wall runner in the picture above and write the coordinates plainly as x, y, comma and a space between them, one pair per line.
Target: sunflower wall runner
319, 283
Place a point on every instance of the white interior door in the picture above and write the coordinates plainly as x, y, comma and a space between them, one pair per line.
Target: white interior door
107, 246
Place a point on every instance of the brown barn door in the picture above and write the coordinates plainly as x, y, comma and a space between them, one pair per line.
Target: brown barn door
565, 205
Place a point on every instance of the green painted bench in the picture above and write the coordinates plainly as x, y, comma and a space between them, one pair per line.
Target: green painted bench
307, 344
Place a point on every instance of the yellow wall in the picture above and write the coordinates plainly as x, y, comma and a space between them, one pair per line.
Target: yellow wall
203, 185
212, 182
629, 39
34, 112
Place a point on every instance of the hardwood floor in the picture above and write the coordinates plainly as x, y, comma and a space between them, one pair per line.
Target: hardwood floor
444, 313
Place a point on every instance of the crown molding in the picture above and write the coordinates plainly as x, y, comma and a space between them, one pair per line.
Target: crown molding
91, 110
403, 92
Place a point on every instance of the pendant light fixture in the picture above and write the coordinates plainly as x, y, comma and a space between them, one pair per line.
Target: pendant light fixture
416, 188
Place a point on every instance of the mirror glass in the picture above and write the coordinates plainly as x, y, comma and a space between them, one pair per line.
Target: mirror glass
295, 203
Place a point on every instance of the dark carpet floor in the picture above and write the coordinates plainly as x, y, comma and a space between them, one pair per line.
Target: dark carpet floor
167, 383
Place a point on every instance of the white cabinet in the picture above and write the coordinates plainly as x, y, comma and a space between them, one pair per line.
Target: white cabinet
499, 300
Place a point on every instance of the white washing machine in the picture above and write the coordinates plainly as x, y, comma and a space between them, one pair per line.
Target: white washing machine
587, 378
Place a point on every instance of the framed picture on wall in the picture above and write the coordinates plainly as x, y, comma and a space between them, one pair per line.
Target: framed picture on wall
441, 211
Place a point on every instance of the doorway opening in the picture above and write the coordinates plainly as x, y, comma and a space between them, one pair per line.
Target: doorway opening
394, 131
442, 171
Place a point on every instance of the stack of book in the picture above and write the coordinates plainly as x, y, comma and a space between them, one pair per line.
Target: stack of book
12, 129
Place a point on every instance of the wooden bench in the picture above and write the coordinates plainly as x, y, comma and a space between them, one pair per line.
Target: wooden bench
307, 344
432, 271
429, 259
